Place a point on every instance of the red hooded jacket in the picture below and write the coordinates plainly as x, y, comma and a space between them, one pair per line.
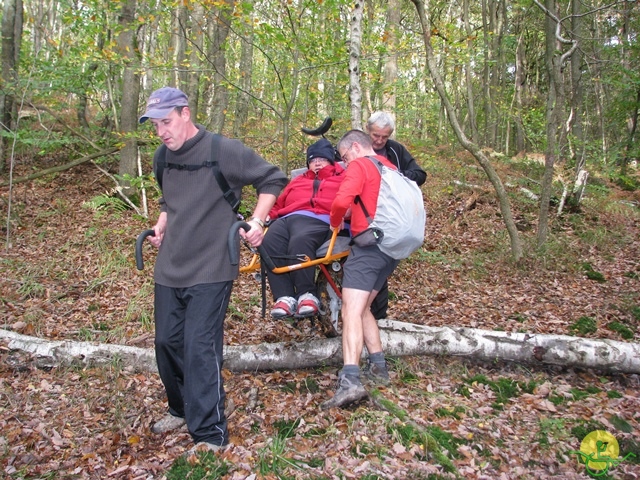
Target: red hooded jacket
309, 192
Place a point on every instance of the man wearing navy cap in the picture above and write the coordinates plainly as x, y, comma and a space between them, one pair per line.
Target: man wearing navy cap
193, 276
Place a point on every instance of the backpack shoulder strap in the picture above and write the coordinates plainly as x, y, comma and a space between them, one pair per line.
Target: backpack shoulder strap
162, 163
358, 200
227, 193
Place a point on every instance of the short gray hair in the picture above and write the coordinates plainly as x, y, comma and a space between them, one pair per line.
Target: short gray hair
381, 120
353, 136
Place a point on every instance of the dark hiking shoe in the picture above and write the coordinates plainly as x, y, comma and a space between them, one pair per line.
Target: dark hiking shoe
349, 390
376, 374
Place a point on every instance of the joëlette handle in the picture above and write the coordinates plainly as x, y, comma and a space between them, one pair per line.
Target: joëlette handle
234, 248
139, 241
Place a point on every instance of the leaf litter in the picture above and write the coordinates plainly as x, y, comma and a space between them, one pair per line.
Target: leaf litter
70, 274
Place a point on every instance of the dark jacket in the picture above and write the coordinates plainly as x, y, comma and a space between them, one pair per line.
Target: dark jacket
397, 154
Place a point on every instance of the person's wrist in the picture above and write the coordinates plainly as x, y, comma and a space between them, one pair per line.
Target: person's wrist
257, 221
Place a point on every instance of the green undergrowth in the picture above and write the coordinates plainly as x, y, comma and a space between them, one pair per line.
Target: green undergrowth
206, 466
504, 388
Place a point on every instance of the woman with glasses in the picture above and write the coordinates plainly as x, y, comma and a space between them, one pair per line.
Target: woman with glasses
300, 224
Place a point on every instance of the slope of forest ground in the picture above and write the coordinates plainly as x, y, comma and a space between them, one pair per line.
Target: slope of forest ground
70, 274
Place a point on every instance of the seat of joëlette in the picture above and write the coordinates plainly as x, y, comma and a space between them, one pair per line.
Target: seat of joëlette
341, 246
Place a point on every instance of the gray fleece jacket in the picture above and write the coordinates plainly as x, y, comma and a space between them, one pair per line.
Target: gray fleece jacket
194, 248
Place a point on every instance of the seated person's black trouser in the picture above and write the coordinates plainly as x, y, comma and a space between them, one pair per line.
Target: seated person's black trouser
289, 236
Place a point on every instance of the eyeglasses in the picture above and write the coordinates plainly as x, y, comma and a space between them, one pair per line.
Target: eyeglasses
318, 160
343, 154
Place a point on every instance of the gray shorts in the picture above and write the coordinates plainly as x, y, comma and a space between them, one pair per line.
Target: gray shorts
367, 268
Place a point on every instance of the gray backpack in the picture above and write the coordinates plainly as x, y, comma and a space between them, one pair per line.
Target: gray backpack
398, 225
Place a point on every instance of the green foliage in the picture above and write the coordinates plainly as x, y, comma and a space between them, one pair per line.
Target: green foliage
591, 273
208, 466
579, 394
614, 394
106, 202
551, 428
625, 182
504, 388
30, 287
585, 427
630, 445
286, 428
621, 424
308, 385
584, 326
454, 412
403, 370
625, 332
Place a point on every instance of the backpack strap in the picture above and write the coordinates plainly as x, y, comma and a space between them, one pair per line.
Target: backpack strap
227, 193
358, 200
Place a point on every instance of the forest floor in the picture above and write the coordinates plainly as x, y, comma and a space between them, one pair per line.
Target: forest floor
67, 272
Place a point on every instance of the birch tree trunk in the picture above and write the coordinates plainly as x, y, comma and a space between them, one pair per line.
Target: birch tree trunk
355, 92
391, 62
398, 339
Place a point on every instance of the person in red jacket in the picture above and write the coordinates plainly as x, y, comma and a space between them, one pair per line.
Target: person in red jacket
300, 224
365, 270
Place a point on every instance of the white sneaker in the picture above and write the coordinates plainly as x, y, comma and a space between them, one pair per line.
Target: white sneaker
284, 307
308, 305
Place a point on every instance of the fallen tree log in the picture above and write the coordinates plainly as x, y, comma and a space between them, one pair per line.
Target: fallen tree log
398, 338
61, 168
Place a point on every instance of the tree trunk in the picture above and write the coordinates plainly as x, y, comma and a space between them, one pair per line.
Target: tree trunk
520, 79
355, 91
180, 33
196, 52
12, 13
551, 60
398, 339
246, 69
577, 90
130, 91
468, 73
220, 25
501, 194
391, 62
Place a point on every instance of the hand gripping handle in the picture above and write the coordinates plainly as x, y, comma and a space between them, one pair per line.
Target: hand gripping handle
234, 247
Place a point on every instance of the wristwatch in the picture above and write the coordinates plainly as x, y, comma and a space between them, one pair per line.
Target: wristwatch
258, 221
